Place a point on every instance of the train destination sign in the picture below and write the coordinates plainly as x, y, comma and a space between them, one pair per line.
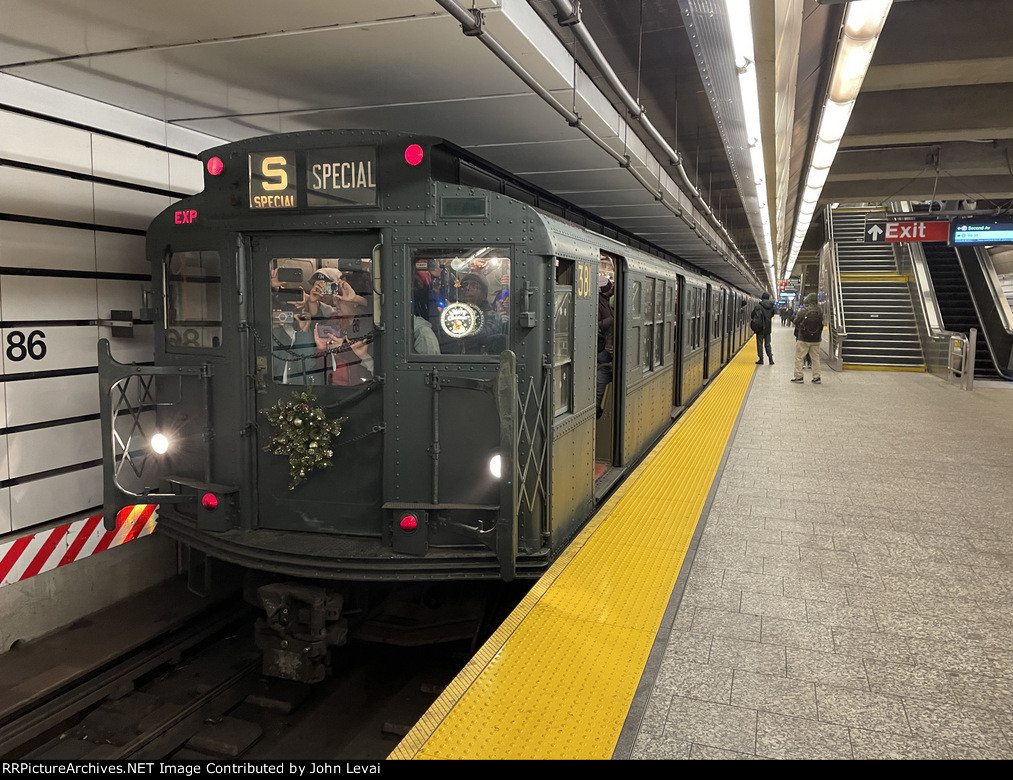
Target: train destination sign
979, 231
272, 180
883, 232
341, 177
333, 178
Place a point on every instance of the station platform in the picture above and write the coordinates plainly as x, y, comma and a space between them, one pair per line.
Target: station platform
796, 571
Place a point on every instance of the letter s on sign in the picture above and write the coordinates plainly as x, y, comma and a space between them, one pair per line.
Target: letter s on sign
271, 172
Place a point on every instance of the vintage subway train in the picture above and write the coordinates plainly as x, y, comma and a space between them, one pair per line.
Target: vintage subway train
439, 313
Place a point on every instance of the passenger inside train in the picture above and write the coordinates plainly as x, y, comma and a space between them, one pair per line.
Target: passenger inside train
463, 295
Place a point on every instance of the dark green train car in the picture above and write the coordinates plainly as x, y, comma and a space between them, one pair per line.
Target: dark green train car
376, 361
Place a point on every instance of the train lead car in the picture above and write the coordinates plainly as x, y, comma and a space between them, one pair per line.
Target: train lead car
376, 362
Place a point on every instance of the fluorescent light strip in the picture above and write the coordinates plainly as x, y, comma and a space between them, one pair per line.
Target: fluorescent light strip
741, 25
863, 23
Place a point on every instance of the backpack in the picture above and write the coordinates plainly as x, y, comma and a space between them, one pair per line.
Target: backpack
756, 319
810, 325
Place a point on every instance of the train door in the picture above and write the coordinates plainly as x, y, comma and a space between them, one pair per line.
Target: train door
728, 327
315, 328
708, 334
608, 378
675, 302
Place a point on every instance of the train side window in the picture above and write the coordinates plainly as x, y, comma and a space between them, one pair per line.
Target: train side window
647, 336
460, 300
659, 323
636, 311
562, 350
193, 300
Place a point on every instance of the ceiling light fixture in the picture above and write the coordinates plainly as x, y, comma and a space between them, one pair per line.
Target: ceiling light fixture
863, 23
741, 24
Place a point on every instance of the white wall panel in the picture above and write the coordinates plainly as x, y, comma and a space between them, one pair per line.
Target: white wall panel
120, 253
40, 400
37, 141
43, 499
126, 208
65, 347
187, 140
186, 174
24, 245
114, 158
47, 298
120, 294
29, 452
45, 195
6, 526
65, 105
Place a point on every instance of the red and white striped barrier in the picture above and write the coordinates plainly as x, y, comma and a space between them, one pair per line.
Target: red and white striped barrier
31, 555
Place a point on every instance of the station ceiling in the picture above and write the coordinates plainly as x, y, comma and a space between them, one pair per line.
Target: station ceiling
933, 121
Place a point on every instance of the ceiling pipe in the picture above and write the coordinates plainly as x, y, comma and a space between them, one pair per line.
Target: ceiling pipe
471, 21
568, 16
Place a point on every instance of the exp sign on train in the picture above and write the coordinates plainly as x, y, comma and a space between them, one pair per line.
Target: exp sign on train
328, 178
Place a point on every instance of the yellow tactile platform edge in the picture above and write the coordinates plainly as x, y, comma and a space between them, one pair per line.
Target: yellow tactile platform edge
555, 681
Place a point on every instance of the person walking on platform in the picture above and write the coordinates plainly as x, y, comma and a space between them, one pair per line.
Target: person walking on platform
809, 334
761, 322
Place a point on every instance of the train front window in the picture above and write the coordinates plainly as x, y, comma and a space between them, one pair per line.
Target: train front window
460, 300
193, 300
323, 320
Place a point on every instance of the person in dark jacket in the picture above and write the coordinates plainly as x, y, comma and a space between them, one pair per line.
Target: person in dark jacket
809, 334
761, 322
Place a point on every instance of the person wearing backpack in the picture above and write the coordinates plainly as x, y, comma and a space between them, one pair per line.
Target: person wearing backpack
809, 333
760, 322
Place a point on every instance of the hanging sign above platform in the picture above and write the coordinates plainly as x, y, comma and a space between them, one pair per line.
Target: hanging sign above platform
978, 231
882, 232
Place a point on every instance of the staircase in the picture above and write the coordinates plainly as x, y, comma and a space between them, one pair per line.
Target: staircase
955, 304
878, 315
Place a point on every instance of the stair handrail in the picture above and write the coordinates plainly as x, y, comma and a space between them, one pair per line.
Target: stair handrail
830, 280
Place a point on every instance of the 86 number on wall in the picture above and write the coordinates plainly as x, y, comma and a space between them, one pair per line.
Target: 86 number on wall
25, 345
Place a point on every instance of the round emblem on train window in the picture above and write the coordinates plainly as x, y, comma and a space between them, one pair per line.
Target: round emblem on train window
461, 319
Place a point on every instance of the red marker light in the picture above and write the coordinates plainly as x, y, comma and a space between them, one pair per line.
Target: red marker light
409, 523
215, 166
413, 154
209, 501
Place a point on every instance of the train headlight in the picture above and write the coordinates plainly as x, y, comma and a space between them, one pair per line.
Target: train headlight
409, 523
496, 466
209, 501
160, 443
215, 166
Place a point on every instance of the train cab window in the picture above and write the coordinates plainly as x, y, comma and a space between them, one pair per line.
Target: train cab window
193, 300
460, 300
323, 320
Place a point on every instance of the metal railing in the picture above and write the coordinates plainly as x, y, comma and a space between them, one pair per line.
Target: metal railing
960, 366
830, 283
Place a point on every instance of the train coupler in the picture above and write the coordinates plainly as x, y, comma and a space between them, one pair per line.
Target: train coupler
300, 626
